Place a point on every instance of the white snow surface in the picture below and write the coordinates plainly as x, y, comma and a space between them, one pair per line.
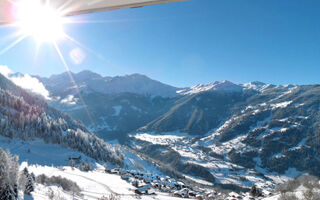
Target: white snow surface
69, 100
117, 110
159, 139
93, 184
52, 160
225, 86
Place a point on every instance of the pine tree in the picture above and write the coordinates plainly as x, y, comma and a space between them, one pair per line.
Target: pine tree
8, 176
71, 163
7, 193
13, 174
29, 186
4, 166
255, 192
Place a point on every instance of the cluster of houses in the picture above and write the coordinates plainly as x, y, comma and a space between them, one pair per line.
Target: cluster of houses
147, 183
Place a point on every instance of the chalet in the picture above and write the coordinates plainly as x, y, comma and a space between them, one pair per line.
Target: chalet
125, 177
199, 197
143, 190
75, 159
192, 193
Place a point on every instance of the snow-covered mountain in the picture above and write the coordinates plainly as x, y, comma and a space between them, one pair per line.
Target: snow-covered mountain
256, 137
28, 117
89, 81
47, 140
232, 135
223, 86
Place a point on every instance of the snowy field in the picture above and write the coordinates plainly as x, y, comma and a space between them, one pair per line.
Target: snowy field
94, 184
38, 152
53, 160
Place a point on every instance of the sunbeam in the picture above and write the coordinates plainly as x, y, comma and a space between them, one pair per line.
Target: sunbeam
74, 83
13, 44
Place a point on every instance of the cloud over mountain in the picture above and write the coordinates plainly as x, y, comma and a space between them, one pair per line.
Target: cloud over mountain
25, 81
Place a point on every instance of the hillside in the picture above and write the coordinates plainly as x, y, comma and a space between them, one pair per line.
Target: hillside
27, 117
269, 134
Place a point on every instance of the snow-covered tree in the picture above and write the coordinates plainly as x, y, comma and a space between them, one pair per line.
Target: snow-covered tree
28, 117
9, 170
30, 179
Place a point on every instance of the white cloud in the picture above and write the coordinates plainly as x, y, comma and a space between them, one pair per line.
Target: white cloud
70, 100
26, 81
5, 71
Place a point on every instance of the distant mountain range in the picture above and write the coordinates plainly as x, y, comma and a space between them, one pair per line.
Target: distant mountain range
93, 82
122, 104
226, 133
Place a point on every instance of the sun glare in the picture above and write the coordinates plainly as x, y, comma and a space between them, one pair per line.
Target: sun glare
39, 21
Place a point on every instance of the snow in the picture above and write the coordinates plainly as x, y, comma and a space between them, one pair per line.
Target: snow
179, 142
289, 89
93, 184
211, 139
159, 139
117, 110
134, 161
283, 120
235, 143
299, 146
225, 86
280, 105
258, 86
69, 100
271, 131
136, 108
189, 152
40, 152
297, 105
52, 160
223, 169
278, 155
199, 180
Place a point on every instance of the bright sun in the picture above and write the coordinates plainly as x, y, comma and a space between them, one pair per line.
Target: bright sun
39, 21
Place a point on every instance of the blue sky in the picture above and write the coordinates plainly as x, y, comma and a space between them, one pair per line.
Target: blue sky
187, 43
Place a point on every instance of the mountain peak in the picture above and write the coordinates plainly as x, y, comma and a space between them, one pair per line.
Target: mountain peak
132, 76
87, 74
257, 85
225, 86
88, 80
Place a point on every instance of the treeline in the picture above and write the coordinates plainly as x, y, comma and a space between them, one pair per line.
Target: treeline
66, 184
20, 119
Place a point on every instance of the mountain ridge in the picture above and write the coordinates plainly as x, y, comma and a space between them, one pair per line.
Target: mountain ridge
133, 83
28, 117
250, 130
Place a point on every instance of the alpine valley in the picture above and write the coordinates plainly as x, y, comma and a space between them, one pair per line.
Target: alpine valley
126, 135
